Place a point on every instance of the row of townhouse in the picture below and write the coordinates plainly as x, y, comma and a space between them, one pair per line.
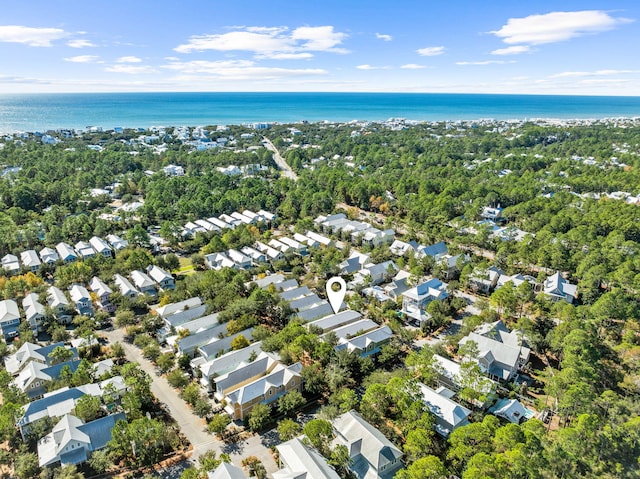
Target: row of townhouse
31, 260
149, 283
224, 221
357, 231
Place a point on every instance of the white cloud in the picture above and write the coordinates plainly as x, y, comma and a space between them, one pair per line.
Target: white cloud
130, 69
430, 51
80, 43
238, 69
287, 56
33, 37
593, 74
514, 50
382, 36
129, 59
556, 26
269, 42
371, 67
412, 66
82, 59
486, 62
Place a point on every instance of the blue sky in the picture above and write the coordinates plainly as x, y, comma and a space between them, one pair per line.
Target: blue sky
497, 46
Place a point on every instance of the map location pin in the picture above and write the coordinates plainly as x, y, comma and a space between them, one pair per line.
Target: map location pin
336, 296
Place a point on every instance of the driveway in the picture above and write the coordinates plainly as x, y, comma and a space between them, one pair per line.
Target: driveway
193, 427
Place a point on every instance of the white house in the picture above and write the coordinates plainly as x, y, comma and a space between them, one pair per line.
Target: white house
49, 255
125, 286
100, 246
59, 303
34, 312
84, 249
80, 296
448, 414
372, 455
10, 263
72, 441
66, 253
416, 299
30, 260
559, 288
164, 279
299, 461
9, 318
116, 242
143, 283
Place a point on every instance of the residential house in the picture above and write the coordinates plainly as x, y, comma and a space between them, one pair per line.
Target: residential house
80, 296
49, 255
272, 254
219, 223
366, 344
306, 302
9, 318
66, 253
30, 260
173, 308
264, 390
34, 312
372, 455
448, 414
241, 260
165, 280
296, 246
117, 243
189, 344
321, 310
436, 251
35, 376
10, 264
558, 288
232, 221
500, 352
103, 293
374, 237
218, 261
322, 240
512, 410
28, 352
267, 215
398, 285
72, 441
59, 303
224, 364
143, 283
126, 288
355, 262
517, 280
356, 328
491, 213
485, 280
306, 240
299, 461
226, 470
333, 321
208, 226
181, 317
416, 299
449, 376
100, 246
243, 219
244, 373
280, 246
84, 250
375, 274
401, 248
256, 256
214, 348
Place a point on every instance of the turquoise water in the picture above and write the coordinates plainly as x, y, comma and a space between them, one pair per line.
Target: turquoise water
49, 111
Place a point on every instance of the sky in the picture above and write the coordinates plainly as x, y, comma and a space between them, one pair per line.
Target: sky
567, 47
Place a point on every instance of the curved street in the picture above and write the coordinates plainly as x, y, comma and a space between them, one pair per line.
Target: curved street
193, 427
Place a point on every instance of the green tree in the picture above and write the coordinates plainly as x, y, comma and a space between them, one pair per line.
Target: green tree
219, 423
88, 408
60, 354
289, 403
26, 465
177, 378
239, 342
427, 467
259, 417
288, 429
320, 434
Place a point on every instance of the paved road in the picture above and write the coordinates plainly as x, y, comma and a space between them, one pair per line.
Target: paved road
284, 167
193, 427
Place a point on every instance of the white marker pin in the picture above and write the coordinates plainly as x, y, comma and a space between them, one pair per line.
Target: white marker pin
336, 296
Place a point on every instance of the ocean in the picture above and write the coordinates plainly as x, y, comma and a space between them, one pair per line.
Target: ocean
40, 112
